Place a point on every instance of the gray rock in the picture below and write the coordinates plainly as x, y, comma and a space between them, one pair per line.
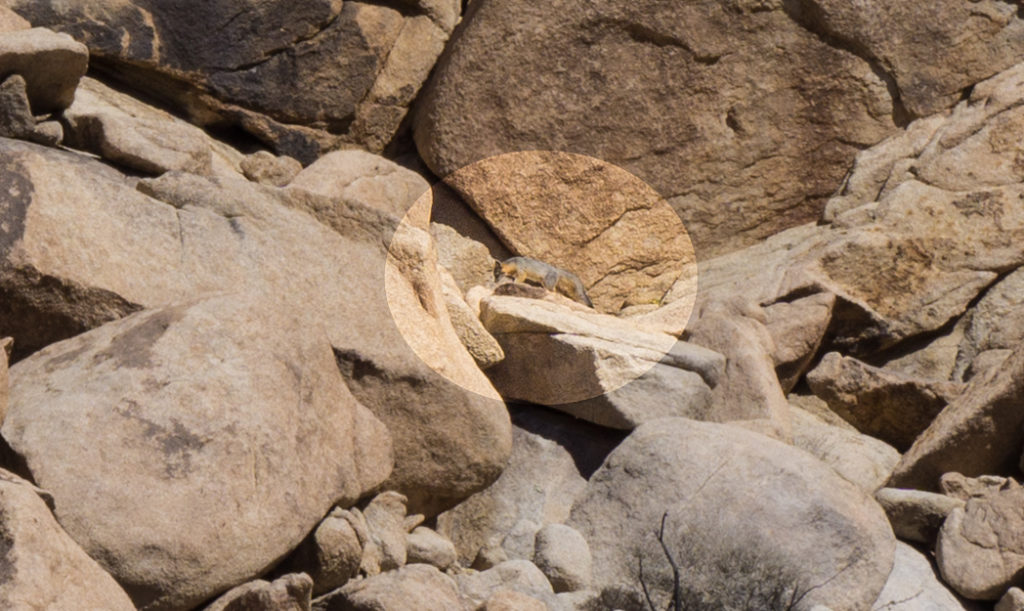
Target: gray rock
859, 459
995, 323
331, 555
44, 567
561, 553
916, 515
288, 593
797, 328
749, 520
1013, 600
469, 261
964, 488
385, 516
133, 423
16, 120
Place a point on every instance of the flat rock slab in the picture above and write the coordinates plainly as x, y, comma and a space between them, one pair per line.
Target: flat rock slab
133, 426
751, 522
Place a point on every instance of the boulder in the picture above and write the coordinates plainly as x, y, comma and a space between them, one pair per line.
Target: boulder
426, 546
296, 77
385, 516
911, 41
16, 120
552, 457
892, 407
267, 169
1013, 600
362, 177
414, 586
585, 215
980, 432
468, 261
140, 137
561, 553
980, 548
742, 118
748, 389
5, 353
964, 488
482, 346
50, 63
331, 554
916, 515
521, 576
797, 329
43, 567
597, 367
291, 592
511, 600
130, 426
750, 521
996, 322
191, 235
913, 585
859, 459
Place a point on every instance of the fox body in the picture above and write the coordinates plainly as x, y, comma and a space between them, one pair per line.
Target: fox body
550, 277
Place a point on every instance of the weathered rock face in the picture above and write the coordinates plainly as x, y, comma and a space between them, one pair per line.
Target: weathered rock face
744, 120
296, 76
916, 515
585, 215
289, 593
979, 546
44, 567
931, 51
978, 433
50, 63
79, 228
144, 416
707, 480
996, 323
913, 585
892, 407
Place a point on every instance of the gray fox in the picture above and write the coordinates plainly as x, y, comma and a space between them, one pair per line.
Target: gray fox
550, 277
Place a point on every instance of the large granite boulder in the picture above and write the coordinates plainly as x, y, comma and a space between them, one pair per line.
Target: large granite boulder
189, 448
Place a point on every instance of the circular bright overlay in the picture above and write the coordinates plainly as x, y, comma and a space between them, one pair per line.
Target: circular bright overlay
571, 213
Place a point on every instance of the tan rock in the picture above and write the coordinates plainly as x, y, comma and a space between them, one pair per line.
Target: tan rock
225, 234
365, 178
748, 388
916, 515
892, 407
267, 169
552, 456
11, 21
331, 555
959, 486
105, 417
288, 593
296, 77
520, 576
583, 215
468, 261
385, 522
595, 366
747, 518
735, 118
5, 352
797, 328
482, 346
979, 548
46, 569
994, 323
51, 64
510, 600
1013, 600
16, 120
860, 459
138, 136
426, 546
561, 553
414, 586
977, 433
904, 38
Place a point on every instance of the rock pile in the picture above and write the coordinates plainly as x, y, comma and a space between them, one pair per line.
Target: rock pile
250, 363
